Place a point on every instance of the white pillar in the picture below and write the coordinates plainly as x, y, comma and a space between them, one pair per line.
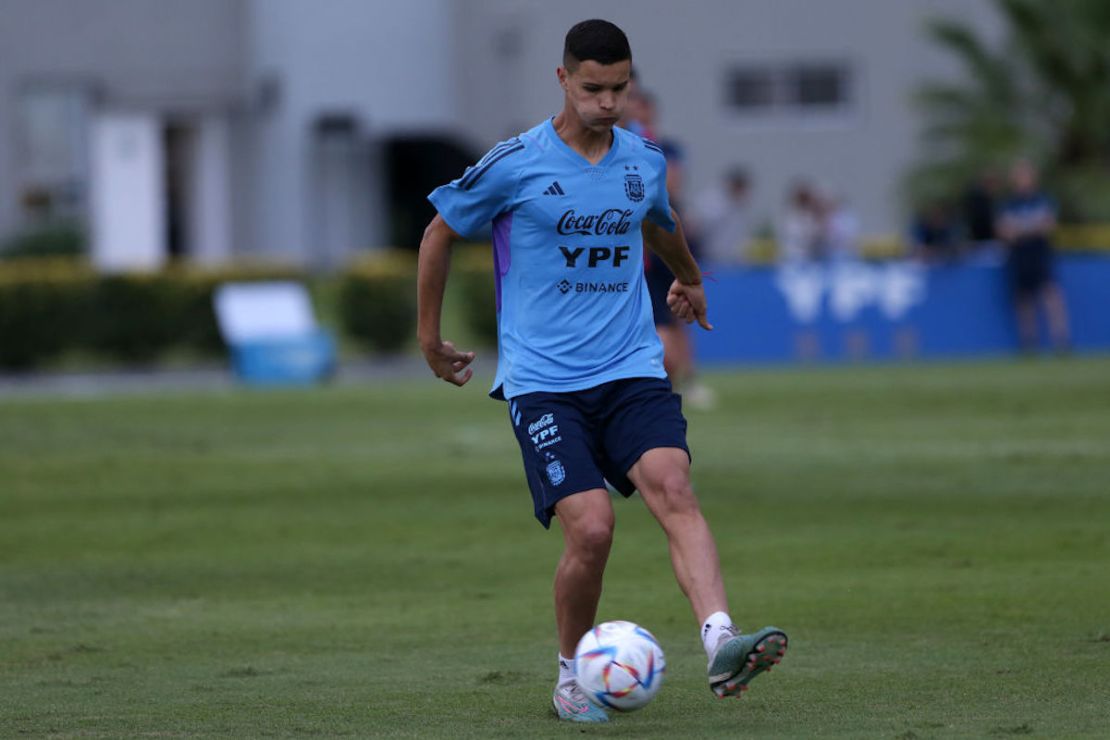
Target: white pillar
210, 229
128, 192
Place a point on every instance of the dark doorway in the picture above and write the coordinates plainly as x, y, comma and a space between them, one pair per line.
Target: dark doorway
179, 141
415, 166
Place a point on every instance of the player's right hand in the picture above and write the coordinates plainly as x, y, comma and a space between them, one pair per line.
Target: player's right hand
449, 363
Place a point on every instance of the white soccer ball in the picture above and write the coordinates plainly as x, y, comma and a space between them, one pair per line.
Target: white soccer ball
619, 665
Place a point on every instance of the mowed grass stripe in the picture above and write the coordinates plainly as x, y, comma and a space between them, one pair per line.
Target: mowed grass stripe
363, 562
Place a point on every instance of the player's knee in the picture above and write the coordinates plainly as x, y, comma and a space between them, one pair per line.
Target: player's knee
675, 495
593, 537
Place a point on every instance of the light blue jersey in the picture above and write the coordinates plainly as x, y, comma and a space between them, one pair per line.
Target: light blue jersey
573, 310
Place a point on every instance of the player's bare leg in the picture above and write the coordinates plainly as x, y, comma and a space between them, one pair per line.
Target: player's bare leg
663, 478
677, 360
587, 522
1056, 310
1027, 323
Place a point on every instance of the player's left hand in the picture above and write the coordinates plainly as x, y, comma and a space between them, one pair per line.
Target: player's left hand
687, 302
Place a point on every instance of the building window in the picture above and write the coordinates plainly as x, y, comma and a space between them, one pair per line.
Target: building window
52, 150
818, 85
790, 88
751, 88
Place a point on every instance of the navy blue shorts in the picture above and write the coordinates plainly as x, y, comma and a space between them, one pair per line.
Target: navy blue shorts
574, 442
1030, 266
659, 280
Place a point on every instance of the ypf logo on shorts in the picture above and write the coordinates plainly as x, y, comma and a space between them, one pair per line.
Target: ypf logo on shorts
544, 433
556, 473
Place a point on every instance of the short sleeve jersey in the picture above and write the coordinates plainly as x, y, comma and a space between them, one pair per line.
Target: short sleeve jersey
573, 311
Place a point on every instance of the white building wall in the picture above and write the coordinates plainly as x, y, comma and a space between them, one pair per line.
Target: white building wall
8, 190
128, 208
388, 65
681, 51
180, 57
211, 228
482, 68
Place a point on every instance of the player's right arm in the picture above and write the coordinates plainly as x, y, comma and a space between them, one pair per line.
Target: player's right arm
431, 280
464, 206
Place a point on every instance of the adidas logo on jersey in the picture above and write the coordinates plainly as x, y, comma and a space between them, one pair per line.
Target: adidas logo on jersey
554, 189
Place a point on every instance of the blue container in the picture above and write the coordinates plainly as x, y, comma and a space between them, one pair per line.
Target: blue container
294, 361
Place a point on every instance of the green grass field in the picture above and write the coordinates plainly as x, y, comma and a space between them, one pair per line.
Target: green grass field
363, 561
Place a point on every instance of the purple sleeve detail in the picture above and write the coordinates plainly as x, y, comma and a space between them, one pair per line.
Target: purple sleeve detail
502, 257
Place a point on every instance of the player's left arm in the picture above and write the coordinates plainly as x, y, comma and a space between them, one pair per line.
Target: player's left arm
686, 297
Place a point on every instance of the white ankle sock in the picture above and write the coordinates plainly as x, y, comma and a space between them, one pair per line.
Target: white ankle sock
566, 672
715, 624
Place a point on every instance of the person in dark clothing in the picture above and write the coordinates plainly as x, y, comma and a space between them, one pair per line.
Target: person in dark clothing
935, 237
1025, 223
979, 206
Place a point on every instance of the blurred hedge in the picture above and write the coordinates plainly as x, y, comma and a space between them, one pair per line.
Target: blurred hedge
472, 270
378, 298
1083, 237
377, 302
49, 307
45, 309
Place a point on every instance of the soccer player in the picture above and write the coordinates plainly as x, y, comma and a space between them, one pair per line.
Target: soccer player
579, 361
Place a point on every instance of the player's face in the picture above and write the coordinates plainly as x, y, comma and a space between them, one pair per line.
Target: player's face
597, 92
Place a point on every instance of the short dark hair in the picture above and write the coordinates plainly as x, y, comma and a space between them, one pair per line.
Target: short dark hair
597, 40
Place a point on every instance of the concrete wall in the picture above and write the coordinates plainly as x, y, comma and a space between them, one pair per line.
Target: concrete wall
513, 47
277, 68
384, 65
211, 193
127, 213
136, 54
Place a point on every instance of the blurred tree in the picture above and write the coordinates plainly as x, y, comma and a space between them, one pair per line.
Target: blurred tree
1043, 93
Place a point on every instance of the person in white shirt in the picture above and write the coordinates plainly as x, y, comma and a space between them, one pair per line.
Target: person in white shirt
722, 221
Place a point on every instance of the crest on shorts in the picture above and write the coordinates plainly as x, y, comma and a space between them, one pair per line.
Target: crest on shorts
556, 473
634, 187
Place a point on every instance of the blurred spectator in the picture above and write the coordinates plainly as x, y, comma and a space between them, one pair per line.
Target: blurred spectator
639, 113
801, 231
675, 155
817, 227
678, 348
721, 221
840, 229
934, 237
979, 205
1025, 223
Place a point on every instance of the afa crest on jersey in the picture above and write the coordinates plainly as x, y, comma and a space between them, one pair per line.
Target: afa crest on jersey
634, 187
556, 473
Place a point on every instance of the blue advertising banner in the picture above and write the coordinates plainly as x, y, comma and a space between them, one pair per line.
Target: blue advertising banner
861, 311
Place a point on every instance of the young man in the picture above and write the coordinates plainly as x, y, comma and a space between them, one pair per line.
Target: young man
579, 361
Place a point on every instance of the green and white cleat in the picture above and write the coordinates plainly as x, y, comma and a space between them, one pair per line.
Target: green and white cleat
739, 658
572, 705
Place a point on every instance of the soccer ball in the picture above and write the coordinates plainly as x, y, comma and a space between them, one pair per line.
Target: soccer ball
619, 665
